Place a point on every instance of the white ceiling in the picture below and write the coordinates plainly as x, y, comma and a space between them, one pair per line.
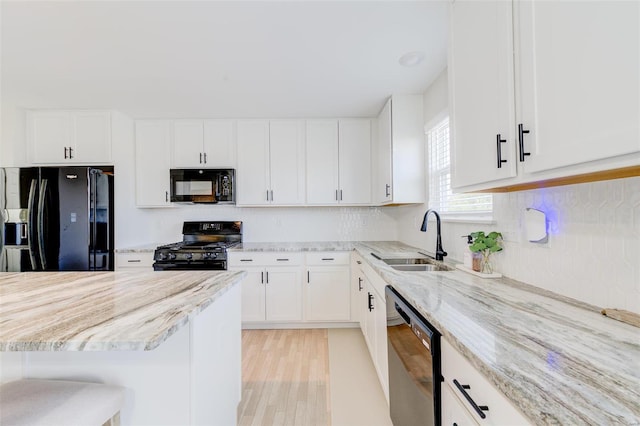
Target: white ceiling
219, 59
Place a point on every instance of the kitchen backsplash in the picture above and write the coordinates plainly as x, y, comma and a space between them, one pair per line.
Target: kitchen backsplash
262, 224
593, 252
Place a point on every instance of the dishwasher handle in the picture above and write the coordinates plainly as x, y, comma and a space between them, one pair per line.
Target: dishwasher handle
403, 314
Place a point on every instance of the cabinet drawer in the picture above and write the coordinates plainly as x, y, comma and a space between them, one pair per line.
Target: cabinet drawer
457, 371
329, 258
134, 260
240, 259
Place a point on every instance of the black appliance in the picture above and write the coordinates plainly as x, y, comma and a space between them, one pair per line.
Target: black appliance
210, 186
414, 365
203, 247
56, 219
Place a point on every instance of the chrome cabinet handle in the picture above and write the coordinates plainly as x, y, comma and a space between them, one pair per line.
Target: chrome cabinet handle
134, 261
370, 301
200, 158
328, 258
166, 196
262, 277
499, 150
336, 195
359, 284
205, 158
480, 409
387, 192
308, 277
521, 133
341, 195
65, 152
70, 153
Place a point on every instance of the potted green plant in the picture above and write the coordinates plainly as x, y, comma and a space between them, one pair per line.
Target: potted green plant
484, 245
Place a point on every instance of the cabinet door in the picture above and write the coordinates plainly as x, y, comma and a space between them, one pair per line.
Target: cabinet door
453, 412
286, 152
152, 163
283, 294
188, 136
253, 295
328, 294
322, 161
578, 81
92, 136
369, 319
380, 319
357, 288
49, 136
219, 144
482, 92
253, 163
382, 192
354, 138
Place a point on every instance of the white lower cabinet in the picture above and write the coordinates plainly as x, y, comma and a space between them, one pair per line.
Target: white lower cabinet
141, 260
327, 290
453, 412
272, 290
460, 376
357, 289
375, 325
294, 288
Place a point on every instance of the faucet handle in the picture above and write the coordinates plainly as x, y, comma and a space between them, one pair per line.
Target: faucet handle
469, 238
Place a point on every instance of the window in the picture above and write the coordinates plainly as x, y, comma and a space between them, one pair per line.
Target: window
441, 197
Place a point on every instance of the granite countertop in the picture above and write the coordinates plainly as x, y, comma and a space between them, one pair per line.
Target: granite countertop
102, 311
558, 360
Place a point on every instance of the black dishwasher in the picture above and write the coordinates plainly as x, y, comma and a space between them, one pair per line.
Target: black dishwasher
414, 364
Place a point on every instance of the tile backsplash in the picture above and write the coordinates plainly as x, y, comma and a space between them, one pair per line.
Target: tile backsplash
593, 251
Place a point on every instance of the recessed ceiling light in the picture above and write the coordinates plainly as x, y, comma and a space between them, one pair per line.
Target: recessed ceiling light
411, 59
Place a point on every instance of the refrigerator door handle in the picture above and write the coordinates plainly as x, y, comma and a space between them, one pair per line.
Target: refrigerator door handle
41, 201
31, 223
93, 219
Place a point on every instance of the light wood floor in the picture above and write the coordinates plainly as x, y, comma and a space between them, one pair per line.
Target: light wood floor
285, 375
308, 378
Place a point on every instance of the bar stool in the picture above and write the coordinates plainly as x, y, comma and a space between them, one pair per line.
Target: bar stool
59, 402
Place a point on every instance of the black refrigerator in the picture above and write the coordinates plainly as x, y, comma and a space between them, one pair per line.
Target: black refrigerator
56, 219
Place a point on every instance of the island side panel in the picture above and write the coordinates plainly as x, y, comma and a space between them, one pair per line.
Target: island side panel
158, 380
216, 361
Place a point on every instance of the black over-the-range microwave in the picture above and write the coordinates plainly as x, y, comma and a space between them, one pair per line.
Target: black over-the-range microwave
203, 186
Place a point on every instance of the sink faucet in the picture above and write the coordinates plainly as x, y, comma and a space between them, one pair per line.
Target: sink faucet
440, 253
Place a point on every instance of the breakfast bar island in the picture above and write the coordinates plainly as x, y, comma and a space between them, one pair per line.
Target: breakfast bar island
173, 339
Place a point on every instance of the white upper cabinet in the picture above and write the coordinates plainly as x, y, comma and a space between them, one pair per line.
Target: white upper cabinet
322, 161
69, 137
482, 92
286, 155
400, 162
578, 82
338, 162
153, 149
204, 143
270, 162
558, 81
382, 192
354, 146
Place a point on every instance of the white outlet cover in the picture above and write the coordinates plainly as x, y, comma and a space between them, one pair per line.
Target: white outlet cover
535, 225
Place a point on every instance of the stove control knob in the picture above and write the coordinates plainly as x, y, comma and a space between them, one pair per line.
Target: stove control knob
189, 256
161, 256
210, 255
172, 256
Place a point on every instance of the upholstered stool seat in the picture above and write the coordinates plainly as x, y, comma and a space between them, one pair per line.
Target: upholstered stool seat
59, 402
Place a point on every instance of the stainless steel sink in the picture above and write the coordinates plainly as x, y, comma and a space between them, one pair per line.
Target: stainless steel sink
416, 264
421, 267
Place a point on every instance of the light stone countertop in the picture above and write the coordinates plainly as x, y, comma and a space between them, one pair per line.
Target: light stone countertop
102, 311
558, 360
143, 248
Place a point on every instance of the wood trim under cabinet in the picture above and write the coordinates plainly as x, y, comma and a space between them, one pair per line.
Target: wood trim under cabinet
624, 172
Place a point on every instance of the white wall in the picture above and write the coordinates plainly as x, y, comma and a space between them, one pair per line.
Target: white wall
593, 253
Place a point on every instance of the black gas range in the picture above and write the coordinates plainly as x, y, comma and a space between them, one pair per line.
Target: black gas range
203, 247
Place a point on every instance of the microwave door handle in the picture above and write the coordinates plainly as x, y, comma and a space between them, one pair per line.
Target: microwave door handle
31, 223
41, 211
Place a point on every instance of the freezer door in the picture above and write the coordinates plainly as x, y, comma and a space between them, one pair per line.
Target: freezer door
74, 232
